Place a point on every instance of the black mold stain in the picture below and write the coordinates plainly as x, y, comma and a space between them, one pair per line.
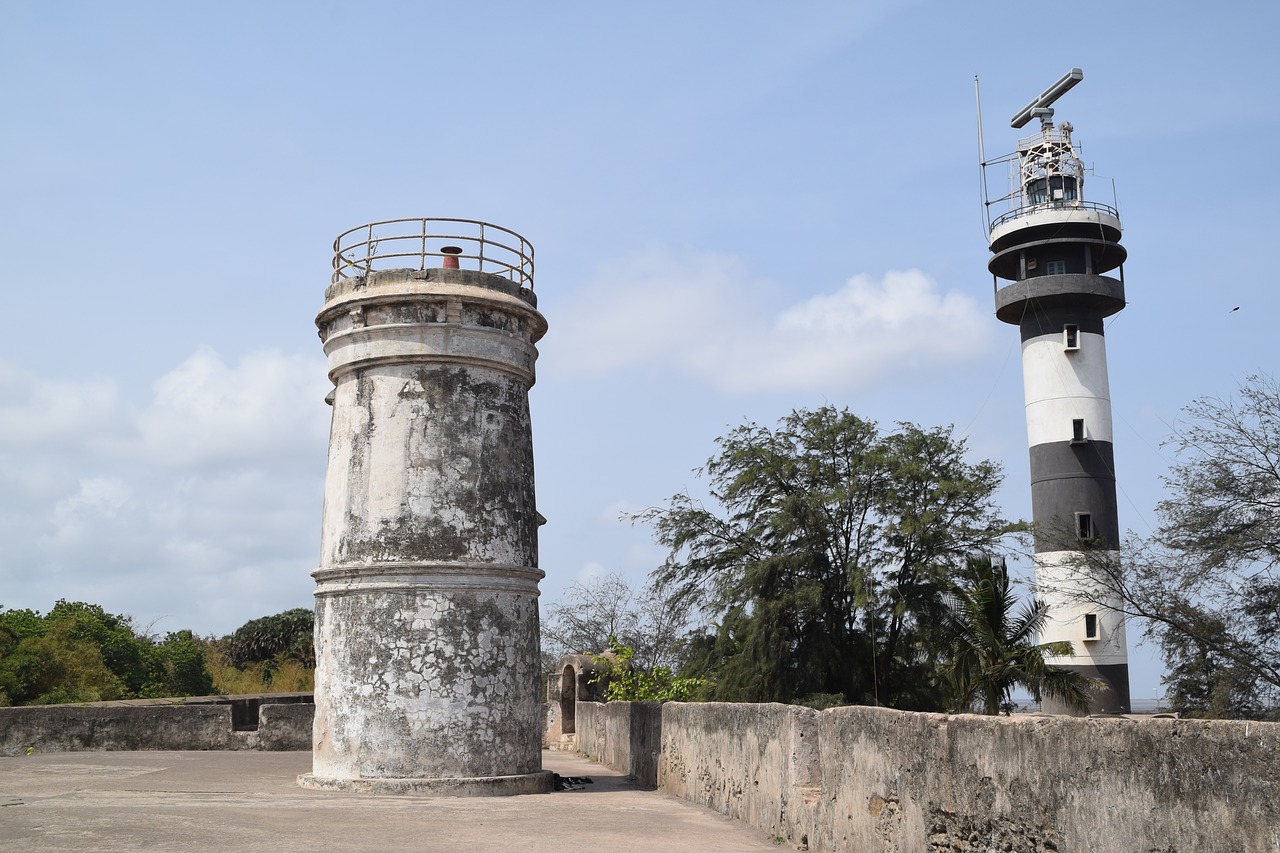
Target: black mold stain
474, 454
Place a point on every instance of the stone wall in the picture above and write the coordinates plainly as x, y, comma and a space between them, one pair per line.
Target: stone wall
75, 728
860, 779
754, 763
908, 782
622, 735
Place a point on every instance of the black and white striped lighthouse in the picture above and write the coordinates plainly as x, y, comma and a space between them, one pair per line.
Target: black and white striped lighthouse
1050, 257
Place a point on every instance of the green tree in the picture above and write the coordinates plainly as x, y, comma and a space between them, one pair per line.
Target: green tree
56, 666
181, 667
993, 650
126, 653
284, 636
1206, 584
825, 561
625, 681
78, 652
1201, 682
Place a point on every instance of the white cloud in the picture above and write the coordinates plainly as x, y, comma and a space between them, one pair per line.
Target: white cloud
48, 412
618, 513
202, 505
590, 572
206, 411
704, 315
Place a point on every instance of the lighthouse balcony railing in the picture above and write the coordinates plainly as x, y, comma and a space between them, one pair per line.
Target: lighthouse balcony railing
1069, 206
433, 242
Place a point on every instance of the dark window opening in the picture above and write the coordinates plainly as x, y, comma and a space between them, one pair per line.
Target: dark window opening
1071, 336
568, 700
1037, 191
1062, 188
1077, 431
1084, 525
1091, 626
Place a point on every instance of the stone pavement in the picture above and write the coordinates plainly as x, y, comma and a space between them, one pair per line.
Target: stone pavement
248, 801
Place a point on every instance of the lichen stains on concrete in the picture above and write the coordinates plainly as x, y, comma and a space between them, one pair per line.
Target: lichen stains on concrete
439, 466
432, 684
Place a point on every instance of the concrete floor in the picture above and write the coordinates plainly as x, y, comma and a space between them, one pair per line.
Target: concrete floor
248, 801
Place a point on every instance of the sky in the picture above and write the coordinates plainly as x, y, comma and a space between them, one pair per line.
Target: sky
737, 210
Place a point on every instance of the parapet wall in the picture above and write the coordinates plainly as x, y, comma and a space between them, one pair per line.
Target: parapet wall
75, 728
622, 735
857, 779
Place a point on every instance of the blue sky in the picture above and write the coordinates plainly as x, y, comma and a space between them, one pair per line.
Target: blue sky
736, 209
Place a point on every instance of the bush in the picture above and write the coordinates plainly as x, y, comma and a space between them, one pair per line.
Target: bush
625, 683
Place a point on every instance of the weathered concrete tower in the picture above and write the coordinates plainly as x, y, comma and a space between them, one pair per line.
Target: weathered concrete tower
427, 675
1051, 251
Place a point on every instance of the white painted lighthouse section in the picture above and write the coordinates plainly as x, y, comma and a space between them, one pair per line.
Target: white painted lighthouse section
1063, 582
1063, 385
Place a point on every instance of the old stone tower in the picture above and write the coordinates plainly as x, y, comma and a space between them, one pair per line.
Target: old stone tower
1050, 253
427, 675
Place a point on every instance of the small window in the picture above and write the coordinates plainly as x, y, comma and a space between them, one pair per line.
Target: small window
1055, 268
1037, 191
1071, 336
1077, 431
1084, 525
1091, 626
1062, 188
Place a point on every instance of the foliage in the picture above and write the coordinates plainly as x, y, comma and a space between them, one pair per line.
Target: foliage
596, 612
272, 654
79, 652
826, 561
624, 681
278, 675
992, 650
1206, 584
183, 667
287, 636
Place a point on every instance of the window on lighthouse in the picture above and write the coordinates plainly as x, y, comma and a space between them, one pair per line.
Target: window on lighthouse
1037, 191
1062, 188
1077, 431
1071, 337
1091, 626
1056, 268
1084, 525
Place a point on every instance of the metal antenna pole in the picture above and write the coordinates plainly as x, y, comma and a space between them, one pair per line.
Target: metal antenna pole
982, 157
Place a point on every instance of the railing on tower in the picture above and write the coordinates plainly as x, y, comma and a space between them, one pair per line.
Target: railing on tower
484, 247
1075, 204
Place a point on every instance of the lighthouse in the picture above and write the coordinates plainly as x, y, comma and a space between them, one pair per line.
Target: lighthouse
427, 668
1058, 269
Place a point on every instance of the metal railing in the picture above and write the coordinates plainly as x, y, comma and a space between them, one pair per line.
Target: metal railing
466, 243
1029, 209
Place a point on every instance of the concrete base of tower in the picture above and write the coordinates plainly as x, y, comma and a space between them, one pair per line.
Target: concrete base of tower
1110, 696
538, 782
427, 680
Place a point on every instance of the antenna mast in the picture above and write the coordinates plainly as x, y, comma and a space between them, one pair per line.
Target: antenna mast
982, 160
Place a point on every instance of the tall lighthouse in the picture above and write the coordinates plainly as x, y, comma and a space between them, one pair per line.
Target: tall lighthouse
1051, 254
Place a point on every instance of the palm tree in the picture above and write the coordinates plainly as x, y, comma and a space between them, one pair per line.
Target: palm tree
992, 650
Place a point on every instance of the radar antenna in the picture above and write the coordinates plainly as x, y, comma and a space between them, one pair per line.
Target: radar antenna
1041, 107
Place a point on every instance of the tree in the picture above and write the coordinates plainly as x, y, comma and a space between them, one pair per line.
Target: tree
55, 666
602, 610
826, 560
625, 680
78, 652
992, 650
285, 636
1206, 584
181, 667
